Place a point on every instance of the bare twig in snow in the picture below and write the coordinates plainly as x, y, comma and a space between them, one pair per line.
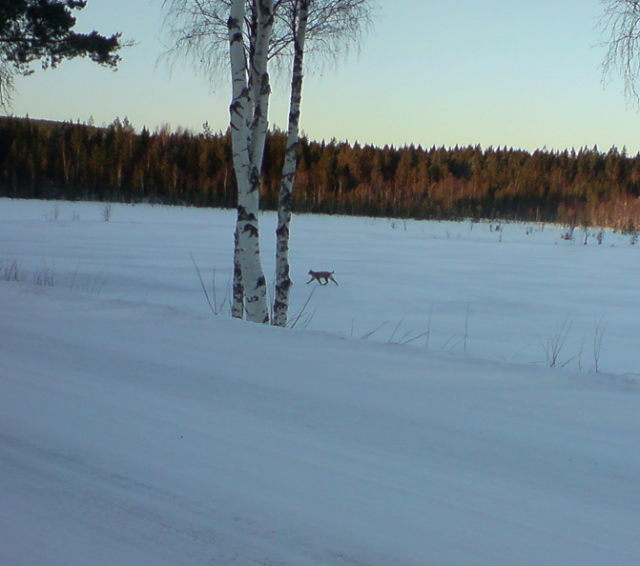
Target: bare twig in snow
555, 343
597, 342
372, 332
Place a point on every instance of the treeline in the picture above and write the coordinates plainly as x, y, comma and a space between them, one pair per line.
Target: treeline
78, 161
63, 160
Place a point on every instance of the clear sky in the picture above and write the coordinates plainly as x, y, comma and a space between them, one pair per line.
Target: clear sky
432, 72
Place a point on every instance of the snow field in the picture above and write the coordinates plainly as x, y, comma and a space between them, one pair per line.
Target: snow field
138, 428
504, 293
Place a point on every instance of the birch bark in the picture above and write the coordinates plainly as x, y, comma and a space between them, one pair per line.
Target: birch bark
285, 203
248, 124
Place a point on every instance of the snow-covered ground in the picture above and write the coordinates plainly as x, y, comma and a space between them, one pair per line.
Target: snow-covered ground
138, 428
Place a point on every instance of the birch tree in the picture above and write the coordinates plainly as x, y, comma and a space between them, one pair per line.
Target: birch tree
330, 27
334, 25
620, 25
249, 110
283, 282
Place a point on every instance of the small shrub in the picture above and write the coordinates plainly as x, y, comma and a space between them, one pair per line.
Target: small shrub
54, 213
94, 284
106, 211
44, 276
10, 269
555, 343
586, 235
568, 235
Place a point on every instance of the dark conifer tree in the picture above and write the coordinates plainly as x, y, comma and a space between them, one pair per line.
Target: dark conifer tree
41, 30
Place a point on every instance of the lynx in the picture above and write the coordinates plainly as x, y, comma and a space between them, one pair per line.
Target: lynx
320, 276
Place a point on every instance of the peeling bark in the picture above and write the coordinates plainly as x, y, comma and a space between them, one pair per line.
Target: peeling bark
237, 305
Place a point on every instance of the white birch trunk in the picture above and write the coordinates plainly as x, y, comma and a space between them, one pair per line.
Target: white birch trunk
247, 265
238, 123
283, 278
260, 82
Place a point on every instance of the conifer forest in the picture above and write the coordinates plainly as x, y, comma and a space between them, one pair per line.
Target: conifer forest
71, 161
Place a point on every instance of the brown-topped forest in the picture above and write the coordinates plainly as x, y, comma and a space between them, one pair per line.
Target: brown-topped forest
52, 160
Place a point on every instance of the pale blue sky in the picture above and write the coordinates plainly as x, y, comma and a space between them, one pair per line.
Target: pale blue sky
494, 72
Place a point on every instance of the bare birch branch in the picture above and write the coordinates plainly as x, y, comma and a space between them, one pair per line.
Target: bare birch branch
620, 24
